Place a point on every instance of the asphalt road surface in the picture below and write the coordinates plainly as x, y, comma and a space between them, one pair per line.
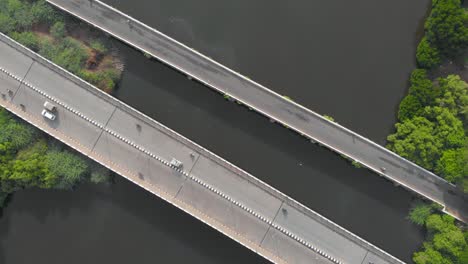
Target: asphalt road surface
270, 104
141, 149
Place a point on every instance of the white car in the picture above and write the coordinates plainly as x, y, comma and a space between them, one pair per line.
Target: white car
48, 115
49, 106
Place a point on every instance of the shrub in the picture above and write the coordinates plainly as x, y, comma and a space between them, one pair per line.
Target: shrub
7, 24
420, 212
100, 174
20, 12
329, 118
99, 47
58, 30
427, 56
68, 168
44, 13
28, 39
70, 55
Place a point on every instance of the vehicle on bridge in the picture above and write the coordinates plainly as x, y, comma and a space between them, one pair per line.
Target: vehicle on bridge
49, 106
48, 115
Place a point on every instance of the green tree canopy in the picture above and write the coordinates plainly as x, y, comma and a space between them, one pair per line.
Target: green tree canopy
445, 27
29, 169
423, 139
428, 57
445, 237
410, 107
454, 96
453, 165
448, 128
450, 243
430, 256
422, 87
415, 140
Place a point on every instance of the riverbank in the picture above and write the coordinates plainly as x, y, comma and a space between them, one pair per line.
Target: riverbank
28, 157
433, 118
432, 128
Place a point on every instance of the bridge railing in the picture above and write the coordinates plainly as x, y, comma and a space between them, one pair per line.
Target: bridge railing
201, 150
118, 17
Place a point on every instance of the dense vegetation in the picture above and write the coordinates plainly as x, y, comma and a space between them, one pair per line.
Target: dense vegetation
29, 159
446, 34
38, 26
433, 125
432, 128
446, 242
433, 118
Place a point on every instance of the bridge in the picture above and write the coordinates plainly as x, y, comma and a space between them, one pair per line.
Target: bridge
140, 149
270, 104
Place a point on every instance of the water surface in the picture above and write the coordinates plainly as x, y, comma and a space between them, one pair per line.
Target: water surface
347, 59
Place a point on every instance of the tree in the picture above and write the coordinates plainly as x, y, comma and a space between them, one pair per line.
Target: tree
427, 56
430, 256
463, 258
454, 96
422, 87
439, 223
450, 243
447, 243
448, 128
410, 106
453, 164
415, 140
445, 27
29, 169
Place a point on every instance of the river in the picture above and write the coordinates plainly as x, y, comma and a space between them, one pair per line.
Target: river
347, 59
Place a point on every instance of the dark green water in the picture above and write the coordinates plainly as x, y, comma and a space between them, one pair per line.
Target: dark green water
347, 59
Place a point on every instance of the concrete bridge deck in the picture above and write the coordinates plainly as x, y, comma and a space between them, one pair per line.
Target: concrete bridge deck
270, 104
207, 187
